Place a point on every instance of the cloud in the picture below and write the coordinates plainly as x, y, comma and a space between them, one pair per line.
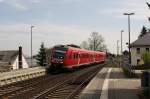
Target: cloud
1, 1
42, 29
36, 1
19, 34
21, 5
17, 4
139, 7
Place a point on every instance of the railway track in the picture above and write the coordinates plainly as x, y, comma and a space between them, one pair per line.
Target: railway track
22, 87
70, 88
52, 86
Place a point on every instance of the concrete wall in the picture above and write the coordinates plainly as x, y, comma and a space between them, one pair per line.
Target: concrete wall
135, 56
24, 63
21, 74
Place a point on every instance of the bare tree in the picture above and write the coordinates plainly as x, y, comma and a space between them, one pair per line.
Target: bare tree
84, 45
94, 42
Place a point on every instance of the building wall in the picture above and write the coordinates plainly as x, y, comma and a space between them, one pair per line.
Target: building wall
24, 63
135, 56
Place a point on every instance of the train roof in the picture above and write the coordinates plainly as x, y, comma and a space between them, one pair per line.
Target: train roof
67, 46
75, 47
91, 51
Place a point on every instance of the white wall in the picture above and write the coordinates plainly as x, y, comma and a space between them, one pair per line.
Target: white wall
24, 63
134, 56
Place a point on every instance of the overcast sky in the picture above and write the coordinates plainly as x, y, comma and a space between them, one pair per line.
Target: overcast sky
68, 21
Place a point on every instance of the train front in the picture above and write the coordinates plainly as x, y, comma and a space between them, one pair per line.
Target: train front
57, 57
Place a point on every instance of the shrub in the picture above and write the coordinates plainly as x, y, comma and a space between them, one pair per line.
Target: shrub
146, 57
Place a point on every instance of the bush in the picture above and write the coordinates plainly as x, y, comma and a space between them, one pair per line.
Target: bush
129, 73
146, 57
142, 67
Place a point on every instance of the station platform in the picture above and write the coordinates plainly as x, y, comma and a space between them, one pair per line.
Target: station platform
20, 75
110, 83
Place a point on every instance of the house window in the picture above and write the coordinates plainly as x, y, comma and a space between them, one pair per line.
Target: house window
1, 57
138, 50
138, 61
147, 49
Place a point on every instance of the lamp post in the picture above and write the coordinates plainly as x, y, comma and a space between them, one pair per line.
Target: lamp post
121, 49
129, 14
121, 42
31, 44
117, 48
118, 53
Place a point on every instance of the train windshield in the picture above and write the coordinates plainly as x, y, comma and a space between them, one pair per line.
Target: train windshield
59, 54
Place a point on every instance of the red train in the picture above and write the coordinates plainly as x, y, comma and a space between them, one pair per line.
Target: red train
68, 57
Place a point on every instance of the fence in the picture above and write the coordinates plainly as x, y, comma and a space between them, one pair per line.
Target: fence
21, 74
145, 83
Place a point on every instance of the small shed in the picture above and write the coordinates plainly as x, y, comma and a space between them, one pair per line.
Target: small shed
12, 59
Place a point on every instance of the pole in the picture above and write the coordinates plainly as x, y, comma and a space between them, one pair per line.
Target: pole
128, 14
129, 39
118, 53
94, 45
121, 42
121, 48
117, 48
31, 45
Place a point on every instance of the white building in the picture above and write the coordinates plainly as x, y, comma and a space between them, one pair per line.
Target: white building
139, 46
12, 59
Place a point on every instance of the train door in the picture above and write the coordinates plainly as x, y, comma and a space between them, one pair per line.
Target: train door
94, 57
78, 58
74, 60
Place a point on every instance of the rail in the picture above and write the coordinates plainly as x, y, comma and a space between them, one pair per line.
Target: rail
70, 87
21, 74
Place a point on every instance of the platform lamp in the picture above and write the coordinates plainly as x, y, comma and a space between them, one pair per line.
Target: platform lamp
31, 44
129, 14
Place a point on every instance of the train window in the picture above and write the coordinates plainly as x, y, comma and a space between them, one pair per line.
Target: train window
81, 55
74, 55
70, 56
59, 54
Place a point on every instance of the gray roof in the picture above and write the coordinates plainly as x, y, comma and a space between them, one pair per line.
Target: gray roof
142, 41
7, 57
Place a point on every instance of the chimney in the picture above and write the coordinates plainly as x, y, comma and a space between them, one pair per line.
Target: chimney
20, 57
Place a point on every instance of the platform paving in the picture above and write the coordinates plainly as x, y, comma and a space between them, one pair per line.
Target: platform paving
110, 83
